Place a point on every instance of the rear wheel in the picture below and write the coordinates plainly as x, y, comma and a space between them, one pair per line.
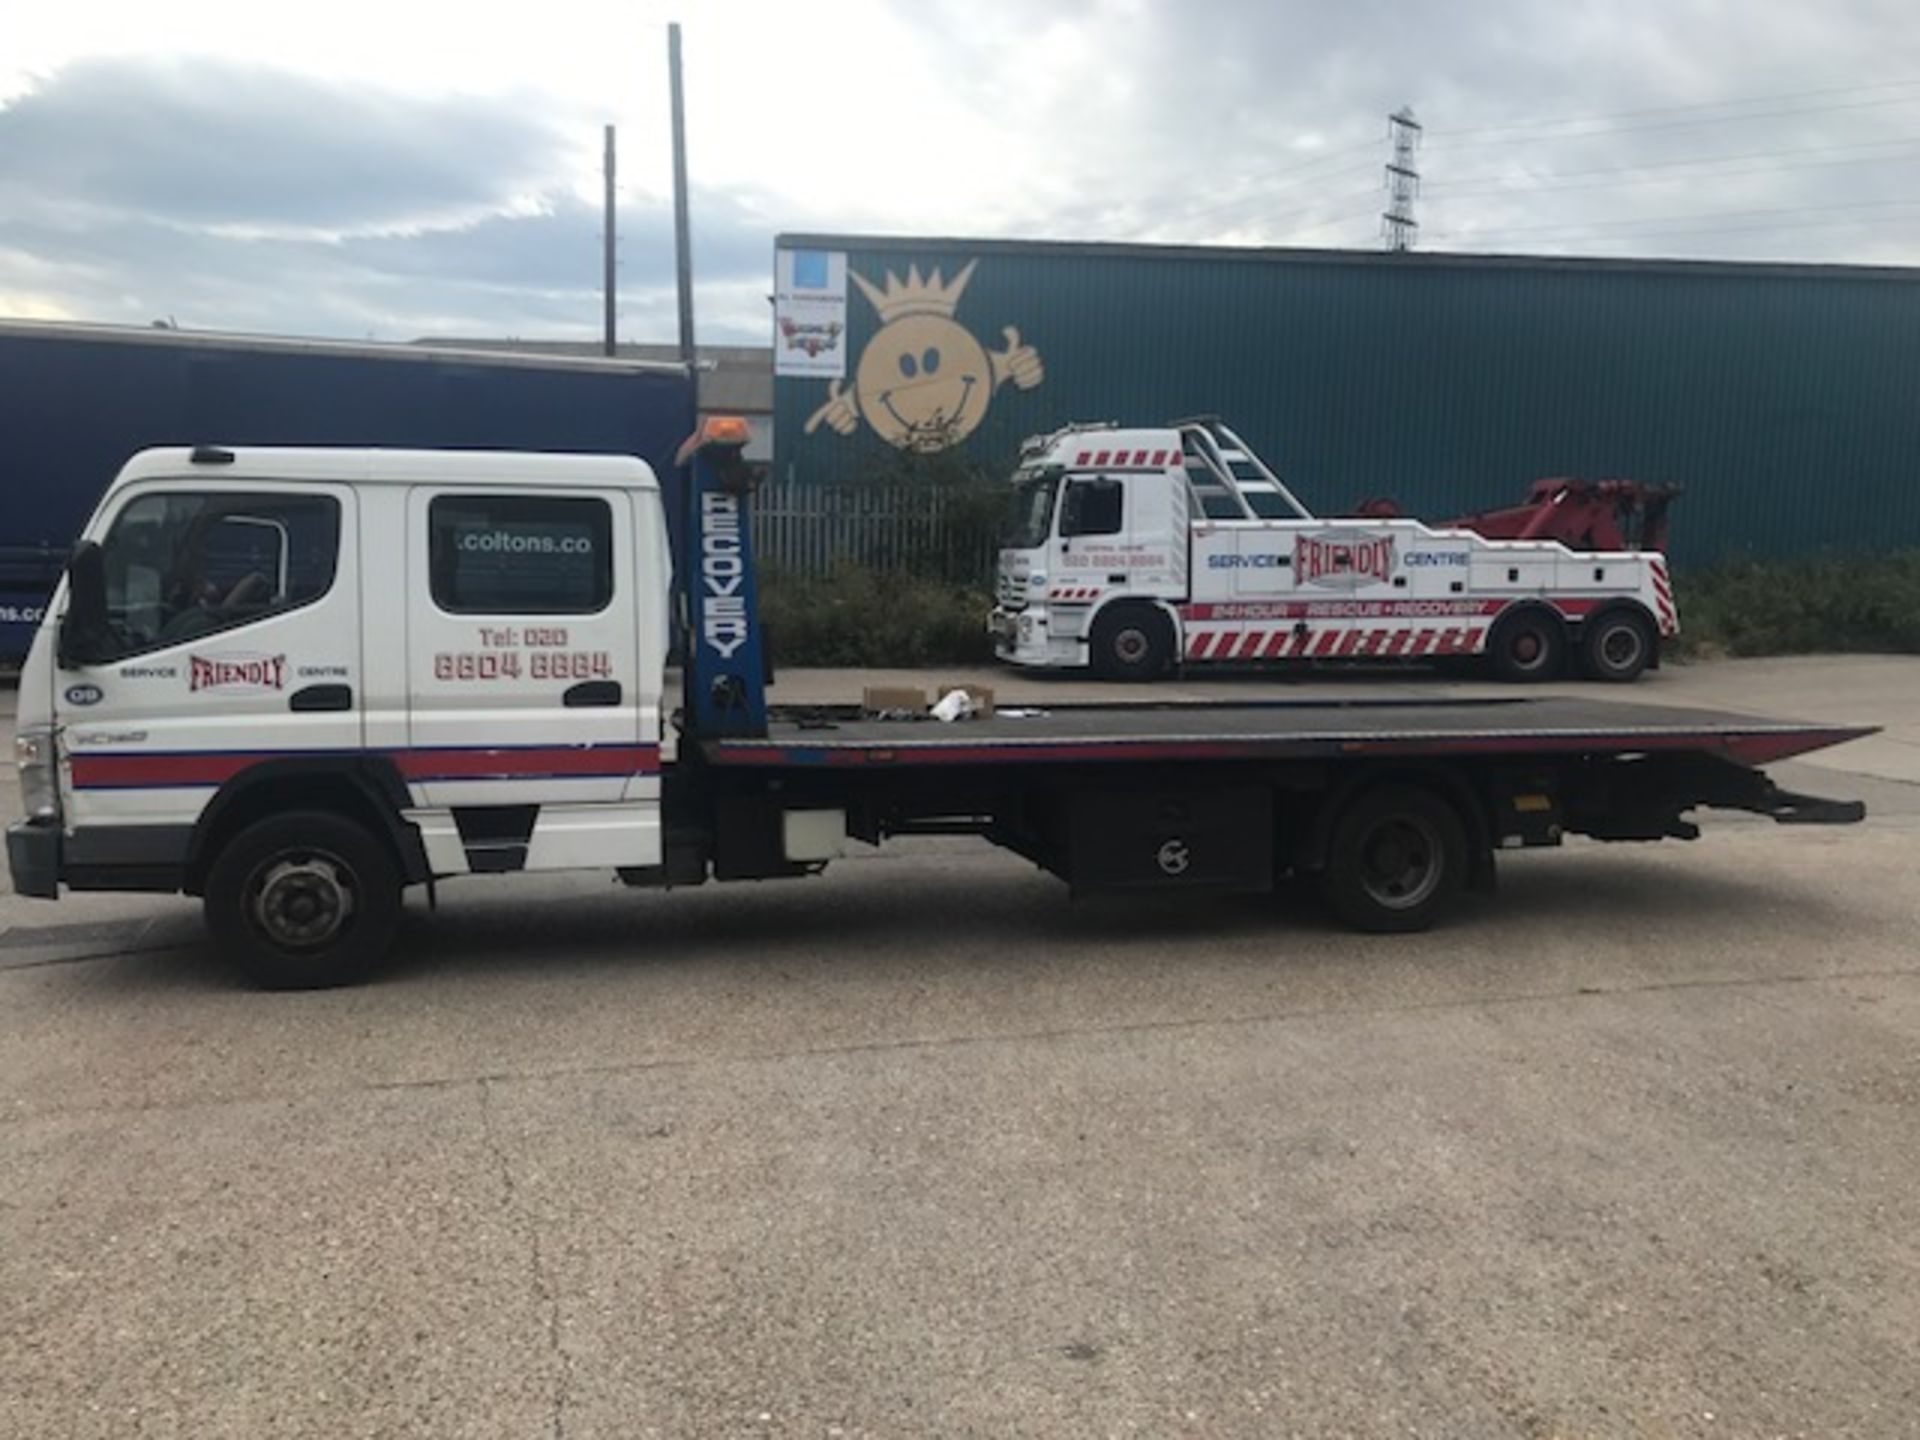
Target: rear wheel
1527, 645
1617, 646
304, 900
1397, 860
1131, 643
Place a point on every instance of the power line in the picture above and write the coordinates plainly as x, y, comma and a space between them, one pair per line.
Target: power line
1324, 156
1633, 177
1604, 131
1364, 213
1535, 125
1371, 193
1266, 191
1263, 193
1490, 179
1588, 227
1709, 230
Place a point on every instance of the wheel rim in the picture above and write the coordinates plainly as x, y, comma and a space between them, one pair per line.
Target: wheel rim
1401, 862
1528, 648
1131, 646
1622, 646
301, 900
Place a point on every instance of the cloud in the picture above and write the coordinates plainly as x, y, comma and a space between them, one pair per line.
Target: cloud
218, 144
231, 193
525, 275
1224, 120
235, 197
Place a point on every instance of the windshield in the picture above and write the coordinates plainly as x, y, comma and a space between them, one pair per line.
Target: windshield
1031, 521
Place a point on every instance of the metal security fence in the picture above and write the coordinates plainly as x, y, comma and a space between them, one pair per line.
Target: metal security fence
812, 529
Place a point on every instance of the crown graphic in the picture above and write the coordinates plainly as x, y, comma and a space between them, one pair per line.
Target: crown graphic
916, 296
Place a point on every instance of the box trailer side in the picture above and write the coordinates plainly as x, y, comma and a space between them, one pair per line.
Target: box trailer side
77, 401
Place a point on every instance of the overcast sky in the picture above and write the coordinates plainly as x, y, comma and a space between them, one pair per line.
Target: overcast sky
402, 168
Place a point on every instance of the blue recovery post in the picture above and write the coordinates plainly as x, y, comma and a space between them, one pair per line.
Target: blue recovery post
726, 667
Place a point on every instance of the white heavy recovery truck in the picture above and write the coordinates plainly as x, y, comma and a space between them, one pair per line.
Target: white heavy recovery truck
1137, 551
295, 682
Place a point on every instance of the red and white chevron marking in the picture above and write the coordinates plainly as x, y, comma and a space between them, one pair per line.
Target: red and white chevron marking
1128, 460
1074, 593
1307, 643
1663, 597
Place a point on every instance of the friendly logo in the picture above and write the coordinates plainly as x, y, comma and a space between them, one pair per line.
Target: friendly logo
1343, 559
241, 673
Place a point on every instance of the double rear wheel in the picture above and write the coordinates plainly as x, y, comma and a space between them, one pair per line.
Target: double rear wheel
1617, 645
1396, 860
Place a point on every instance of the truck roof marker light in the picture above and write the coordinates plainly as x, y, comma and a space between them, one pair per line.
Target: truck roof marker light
730, 431
210, 455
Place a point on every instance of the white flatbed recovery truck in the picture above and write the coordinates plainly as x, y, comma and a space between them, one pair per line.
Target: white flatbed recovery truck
296, 682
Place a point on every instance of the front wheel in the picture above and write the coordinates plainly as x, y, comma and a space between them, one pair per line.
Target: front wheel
1131, 643
1397, 860
304, 900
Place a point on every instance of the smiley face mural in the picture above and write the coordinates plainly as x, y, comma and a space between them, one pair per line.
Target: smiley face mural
924, 382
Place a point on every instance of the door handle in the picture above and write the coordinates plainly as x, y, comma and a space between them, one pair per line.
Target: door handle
321, 697
592, 692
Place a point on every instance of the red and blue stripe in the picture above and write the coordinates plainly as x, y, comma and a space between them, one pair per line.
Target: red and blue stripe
207, 769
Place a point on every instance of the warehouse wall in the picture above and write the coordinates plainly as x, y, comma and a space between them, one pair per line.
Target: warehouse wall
1786, 399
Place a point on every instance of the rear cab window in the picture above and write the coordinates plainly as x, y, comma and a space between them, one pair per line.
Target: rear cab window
520, 554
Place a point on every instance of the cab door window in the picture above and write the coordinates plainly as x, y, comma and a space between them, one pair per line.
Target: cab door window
1092, 507
180, 565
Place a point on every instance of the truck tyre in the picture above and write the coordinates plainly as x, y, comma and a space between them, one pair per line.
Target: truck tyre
1617, 646
1132, 642
1396, 860
304, 900
1527, 645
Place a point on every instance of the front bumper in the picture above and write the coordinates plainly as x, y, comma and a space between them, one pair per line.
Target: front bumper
1025, 637
33, 858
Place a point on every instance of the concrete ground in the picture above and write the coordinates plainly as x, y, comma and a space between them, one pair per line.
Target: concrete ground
921, 1148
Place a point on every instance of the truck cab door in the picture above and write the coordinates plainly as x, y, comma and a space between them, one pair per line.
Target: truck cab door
233, 638
1093, 527
524, 697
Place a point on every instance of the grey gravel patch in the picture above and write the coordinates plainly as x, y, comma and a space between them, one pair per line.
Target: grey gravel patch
37, 945
85, 932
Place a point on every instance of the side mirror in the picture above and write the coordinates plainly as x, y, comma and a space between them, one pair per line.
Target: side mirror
83, 628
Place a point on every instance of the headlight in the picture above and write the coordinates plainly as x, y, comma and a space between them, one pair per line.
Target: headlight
1026, 627
38, 761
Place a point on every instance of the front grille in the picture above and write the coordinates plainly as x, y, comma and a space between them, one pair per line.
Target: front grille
1012, 592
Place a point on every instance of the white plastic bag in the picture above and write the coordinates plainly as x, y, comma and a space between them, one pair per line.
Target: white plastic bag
954, 705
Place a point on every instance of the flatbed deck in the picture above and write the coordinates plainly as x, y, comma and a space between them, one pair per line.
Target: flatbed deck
1285, 729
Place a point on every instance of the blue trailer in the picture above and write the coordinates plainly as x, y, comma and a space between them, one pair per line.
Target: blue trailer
77, 400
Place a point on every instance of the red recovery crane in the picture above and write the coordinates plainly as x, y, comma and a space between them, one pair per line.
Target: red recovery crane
1580, 514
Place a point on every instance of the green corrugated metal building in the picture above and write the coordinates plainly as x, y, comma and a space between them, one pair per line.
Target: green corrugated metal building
1785, 398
